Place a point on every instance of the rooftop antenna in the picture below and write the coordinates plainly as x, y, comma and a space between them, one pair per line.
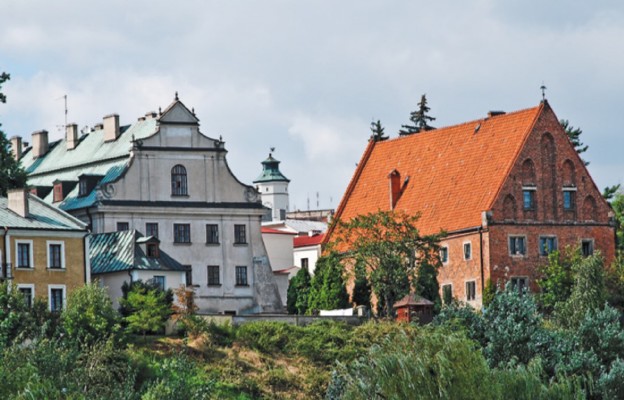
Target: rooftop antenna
317, 200
543, 91
64, 97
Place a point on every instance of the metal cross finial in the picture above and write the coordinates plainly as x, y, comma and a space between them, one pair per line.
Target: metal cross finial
543, 91
176, 95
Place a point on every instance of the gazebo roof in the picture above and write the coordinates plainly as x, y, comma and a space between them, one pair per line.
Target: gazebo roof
412, 299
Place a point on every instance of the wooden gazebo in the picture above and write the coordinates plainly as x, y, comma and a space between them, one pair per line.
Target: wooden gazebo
414, 308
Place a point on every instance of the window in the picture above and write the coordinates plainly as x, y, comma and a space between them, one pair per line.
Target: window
58, 193
241, 276
447, 294
178, 181
123, 226
471, 290
212, 233
521, 284
56, 255
240, 236
28, 291
159, 281
82, 188
569, 200
444, 254
24, 254
152, 250
517, 245
467, 251
213, 275
528, 199
56, 297
189, 276
151, 229
547, 245
305, 264
182, 233
587, 247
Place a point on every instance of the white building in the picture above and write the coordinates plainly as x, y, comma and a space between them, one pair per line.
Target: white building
307, 250
273, 188
161, 176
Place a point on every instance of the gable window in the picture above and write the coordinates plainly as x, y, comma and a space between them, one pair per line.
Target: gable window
240, 234
444, 254
182, 233
471, 290
467, 251
212, 233
305, 264
213, 275
56, 297
178, 181
517, 245
447, 293
521, 284
241, 276
24, 253
28, 291
569, 200
151, 229
56, 255
528, 198
547, 244
123, 226
587, 247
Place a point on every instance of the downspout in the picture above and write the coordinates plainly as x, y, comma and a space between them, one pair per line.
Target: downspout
5, 261
481, 261
90, 227
87, 260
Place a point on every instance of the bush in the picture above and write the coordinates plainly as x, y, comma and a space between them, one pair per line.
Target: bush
178, 377
267, 337
146, 307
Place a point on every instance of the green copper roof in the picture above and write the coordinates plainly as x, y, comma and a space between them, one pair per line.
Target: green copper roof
270, 171
40, 216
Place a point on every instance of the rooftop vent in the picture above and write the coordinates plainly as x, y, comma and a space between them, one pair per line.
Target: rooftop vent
495, 113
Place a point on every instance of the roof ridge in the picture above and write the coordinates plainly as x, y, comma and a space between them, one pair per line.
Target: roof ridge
64, 214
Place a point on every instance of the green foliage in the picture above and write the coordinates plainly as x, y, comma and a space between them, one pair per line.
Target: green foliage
327, 289
12, 175
489, 292
16, 321
89, 316
618, 209
178, 378
361, 295
610, 191
611, 383
390, 247
462, 317
419, 118
574, 134
556, 279
147, 308
298, 292
426, 284
378, 131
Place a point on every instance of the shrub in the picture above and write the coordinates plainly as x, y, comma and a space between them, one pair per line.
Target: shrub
178, 377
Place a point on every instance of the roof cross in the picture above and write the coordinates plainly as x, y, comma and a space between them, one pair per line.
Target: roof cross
543, 91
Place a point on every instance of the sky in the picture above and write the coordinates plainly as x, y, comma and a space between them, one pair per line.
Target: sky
308, 77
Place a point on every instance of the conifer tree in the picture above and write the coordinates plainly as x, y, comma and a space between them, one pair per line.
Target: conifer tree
575, 137
12, 175
419, 118
328, 290
361, 287
298, 292
378, 131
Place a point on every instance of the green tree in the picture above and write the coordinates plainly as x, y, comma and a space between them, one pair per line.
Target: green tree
610, 191
12, 175
298, 292
147, 307
390, 247
426, 284
378, 131
327, 289
617, 204
489, 293
90, 316
419, 118
574, 134
16, 320
361, 295
556, 279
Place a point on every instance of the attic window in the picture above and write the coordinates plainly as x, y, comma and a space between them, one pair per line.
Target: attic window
82, 189
152, 250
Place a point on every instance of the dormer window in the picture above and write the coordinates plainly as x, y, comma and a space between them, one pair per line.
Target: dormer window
82, 188
178, 181
152, 250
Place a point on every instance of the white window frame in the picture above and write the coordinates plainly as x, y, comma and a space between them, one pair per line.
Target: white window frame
569, 189
475, 289
30, 286
48, 254
532, 189
526, 245
30, 255
446, 249
469, 243
64, 288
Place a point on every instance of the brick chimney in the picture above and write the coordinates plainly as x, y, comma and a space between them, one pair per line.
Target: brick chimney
111, 127
18, 201
40, 143
71, 136
16, 147
395, 187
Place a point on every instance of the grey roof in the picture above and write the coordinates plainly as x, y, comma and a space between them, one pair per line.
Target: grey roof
300, 226
40, 216
120, 251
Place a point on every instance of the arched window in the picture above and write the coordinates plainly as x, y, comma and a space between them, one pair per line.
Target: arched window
568, 173
509, 208
179, 186
528, 173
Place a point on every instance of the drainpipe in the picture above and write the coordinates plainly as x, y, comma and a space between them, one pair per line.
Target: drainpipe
90, 227
5, 261
481, 261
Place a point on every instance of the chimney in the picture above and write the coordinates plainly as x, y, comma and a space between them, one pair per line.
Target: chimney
16, 147
395, 187
111, 127
495, 113
150, 115
18, 201
40, 143
71, 136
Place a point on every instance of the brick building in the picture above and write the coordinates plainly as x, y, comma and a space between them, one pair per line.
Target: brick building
506, 189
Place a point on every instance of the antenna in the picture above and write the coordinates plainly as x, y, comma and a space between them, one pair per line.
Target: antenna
317, 200
64, 97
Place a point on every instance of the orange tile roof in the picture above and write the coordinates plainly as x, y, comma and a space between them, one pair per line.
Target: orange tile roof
454, 172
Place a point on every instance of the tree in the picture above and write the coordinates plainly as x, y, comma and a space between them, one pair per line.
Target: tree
298, 291
16, 321
427, 283
390, 247
618, 209
610, 191
327, 289
361, 295
12, 175
378, 131
575, 137
90, 316
419, 118
556, 279
147, 308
